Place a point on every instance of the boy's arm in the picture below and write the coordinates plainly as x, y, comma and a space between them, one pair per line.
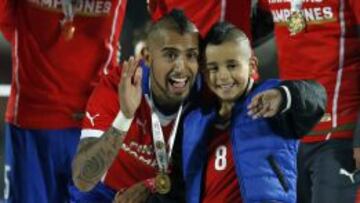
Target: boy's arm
307, 106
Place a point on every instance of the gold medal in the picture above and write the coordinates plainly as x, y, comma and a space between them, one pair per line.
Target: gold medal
68, 30
296, 22
162, 183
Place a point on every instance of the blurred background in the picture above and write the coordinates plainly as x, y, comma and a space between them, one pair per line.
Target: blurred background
135, 20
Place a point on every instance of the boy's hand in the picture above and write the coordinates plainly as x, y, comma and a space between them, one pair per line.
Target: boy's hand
265, 104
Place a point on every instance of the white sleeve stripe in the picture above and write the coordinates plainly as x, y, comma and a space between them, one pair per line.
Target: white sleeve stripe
288, 98
85, 133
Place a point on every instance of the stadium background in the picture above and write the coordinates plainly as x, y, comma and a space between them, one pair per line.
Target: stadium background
135, 19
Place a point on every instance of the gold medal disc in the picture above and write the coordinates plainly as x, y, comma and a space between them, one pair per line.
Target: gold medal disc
68, 30
162, 183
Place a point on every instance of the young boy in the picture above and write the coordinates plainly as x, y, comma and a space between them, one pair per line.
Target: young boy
242, 146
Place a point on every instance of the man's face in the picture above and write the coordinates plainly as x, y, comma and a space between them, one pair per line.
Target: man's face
227, 70
174, 65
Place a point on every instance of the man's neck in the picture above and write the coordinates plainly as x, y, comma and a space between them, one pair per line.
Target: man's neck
163, 107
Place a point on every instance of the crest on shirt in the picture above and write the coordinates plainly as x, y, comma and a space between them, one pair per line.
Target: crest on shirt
91, 118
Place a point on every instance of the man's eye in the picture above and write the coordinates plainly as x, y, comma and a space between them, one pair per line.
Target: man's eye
193, 56
171, 55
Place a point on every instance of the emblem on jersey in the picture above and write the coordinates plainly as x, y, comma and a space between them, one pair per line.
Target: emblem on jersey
296, 22
91, 118
352, 176
162, 183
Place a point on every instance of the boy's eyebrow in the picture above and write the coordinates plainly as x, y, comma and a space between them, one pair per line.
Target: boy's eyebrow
211, 64
232, 61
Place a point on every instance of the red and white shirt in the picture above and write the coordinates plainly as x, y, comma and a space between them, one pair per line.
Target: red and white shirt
326, 51
136, 158
207, 12
221, 182
53, 78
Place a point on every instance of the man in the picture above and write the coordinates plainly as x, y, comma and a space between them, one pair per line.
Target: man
58, 54
318, 40
117, 142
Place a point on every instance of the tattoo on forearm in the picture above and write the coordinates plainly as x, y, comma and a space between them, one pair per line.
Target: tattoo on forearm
95, 156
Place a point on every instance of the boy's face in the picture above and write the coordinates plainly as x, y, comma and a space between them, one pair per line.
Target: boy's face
228, 69
174, 65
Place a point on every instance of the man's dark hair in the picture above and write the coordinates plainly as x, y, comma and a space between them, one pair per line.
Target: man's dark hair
174, 20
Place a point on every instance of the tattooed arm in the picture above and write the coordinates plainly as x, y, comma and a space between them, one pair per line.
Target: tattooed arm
94, 157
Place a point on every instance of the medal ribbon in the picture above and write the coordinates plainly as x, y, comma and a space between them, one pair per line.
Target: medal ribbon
162, 157
296, 5
67, 7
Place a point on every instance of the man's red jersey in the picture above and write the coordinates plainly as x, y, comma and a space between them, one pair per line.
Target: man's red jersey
326, 51
205, 13
136, 159
53, 78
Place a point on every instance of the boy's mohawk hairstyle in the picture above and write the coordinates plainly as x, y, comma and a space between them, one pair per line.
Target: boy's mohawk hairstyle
219, 33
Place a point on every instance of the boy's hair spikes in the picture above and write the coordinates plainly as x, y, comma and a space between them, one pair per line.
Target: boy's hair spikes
222, 32
175, 20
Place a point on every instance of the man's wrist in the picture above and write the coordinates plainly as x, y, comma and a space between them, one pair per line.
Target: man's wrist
121, 122
150, 185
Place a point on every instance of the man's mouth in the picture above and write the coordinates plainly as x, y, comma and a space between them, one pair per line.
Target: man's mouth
178, 84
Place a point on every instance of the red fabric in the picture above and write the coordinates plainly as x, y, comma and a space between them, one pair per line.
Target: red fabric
7, 21
205, 13
221, 182
53, 78
316, 54
136, 159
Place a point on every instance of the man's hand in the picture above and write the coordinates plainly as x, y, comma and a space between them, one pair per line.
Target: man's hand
357, 157
265, 104
137, 193
129, 89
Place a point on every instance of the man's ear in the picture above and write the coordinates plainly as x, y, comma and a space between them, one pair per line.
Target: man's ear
145, 55
148, 58
254, 64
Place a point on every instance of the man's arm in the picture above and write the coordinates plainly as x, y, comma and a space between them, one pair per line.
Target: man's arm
95, 155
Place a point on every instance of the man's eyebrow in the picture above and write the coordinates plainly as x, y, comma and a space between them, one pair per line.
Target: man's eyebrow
169, 49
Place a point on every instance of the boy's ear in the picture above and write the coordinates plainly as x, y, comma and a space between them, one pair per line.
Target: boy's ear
254, 64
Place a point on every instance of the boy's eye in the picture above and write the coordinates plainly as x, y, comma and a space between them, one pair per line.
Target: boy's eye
212, 69
232, 66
